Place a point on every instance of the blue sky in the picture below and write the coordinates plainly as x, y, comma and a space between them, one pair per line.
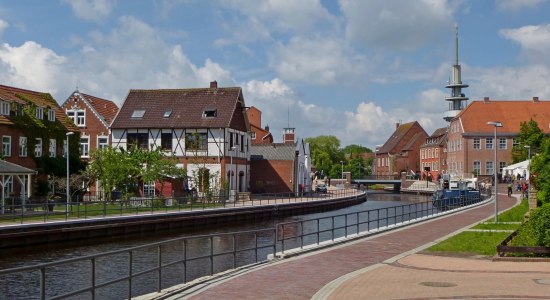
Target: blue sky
349, 68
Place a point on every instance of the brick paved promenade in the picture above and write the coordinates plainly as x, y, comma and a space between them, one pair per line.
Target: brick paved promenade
382, 267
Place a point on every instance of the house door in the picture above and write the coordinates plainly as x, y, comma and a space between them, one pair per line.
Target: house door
241, 182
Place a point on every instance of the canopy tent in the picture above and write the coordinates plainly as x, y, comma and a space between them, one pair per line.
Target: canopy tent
8, 171
521, 168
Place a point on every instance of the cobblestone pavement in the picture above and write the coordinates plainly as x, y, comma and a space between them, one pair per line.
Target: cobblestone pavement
385, 267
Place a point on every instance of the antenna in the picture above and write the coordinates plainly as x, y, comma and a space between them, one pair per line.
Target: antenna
456, 42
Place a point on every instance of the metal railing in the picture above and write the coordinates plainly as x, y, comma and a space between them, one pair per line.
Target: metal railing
57, 210
298, 234
138, 270
150, 268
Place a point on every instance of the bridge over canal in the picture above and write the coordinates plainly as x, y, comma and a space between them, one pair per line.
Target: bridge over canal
396, 181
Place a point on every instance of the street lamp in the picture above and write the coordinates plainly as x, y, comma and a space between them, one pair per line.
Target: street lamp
68, 189
495, 124
231, 170
342, 163
528, 169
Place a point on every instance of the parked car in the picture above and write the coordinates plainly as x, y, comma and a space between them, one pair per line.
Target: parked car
321, 188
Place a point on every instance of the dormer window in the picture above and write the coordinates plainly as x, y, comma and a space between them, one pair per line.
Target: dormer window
51, 115
167, 113
138, 113
5, 108
40, 113
210, 113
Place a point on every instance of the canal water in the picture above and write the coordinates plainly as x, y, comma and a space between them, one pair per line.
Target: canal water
43, 254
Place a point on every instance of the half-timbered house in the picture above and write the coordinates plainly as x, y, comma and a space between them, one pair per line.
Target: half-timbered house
206, 129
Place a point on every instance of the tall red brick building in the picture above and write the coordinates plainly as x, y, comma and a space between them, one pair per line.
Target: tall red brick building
471, 143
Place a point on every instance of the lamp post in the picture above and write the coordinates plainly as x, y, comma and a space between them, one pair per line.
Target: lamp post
528, 169
231, 171
68, 134
495, 124
342, 163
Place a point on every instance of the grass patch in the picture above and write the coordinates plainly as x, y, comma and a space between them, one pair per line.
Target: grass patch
478, 243
484, 243
497, 226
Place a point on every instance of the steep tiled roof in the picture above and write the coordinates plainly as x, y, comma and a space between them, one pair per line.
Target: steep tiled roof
106, 108
475, 116
276, 151
438, 137
397, 135
45, 100
185, 107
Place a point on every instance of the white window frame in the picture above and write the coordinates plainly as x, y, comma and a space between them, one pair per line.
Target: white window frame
84, 146
477, 143
52, 147
502, 143
489, 143
64, 147
6, 145
477, 167
51, 115
40, 113
38, 147
489, 168
5, 108
22, 146
78, 116
101, 145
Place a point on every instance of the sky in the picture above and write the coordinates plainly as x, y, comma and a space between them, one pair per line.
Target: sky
348, 68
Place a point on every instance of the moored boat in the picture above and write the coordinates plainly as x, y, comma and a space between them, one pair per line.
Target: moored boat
456, 192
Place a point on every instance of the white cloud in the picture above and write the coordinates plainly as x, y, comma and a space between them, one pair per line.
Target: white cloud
91, 10
507, 83
534, 40
515, 5
396, 24
295, 16
132, 55
321, 61
31, 66
3, 26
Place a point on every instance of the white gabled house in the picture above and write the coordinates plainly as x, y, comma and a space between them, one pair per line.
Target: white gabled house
204, 128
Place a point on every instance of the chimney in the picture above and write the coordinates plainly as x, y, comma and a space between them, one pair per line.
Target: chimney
397, 125
535, 99
213, 84
266, 127
485, 99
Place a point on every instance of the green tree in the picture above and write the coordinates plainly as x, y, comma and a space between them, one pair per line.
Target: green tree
325, 152
540, 171
529, 135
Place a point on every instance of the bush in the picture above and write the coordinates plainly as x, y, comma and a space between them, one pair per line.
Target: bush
539, 223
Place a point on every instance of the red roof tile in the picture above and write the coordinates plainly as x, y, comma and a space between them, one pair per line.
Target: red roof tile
475, 116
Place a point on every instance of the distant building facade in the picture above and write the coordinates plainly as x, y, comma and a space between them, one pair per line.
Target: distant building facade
433, 153
401, 152
471, 143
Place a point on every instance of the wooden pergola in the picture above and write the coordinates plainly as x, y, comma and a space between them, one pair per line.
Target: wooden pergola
8, 171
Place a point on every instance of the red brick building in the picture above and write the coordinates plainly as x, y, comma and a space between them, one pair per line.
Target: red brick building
33, 129
471, 143
259, 135
401, 152
92, 116
433, 153
272, 168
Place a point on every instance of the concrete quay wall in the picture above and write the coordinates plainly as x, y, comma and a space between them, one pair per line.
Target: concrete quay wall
25, 235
